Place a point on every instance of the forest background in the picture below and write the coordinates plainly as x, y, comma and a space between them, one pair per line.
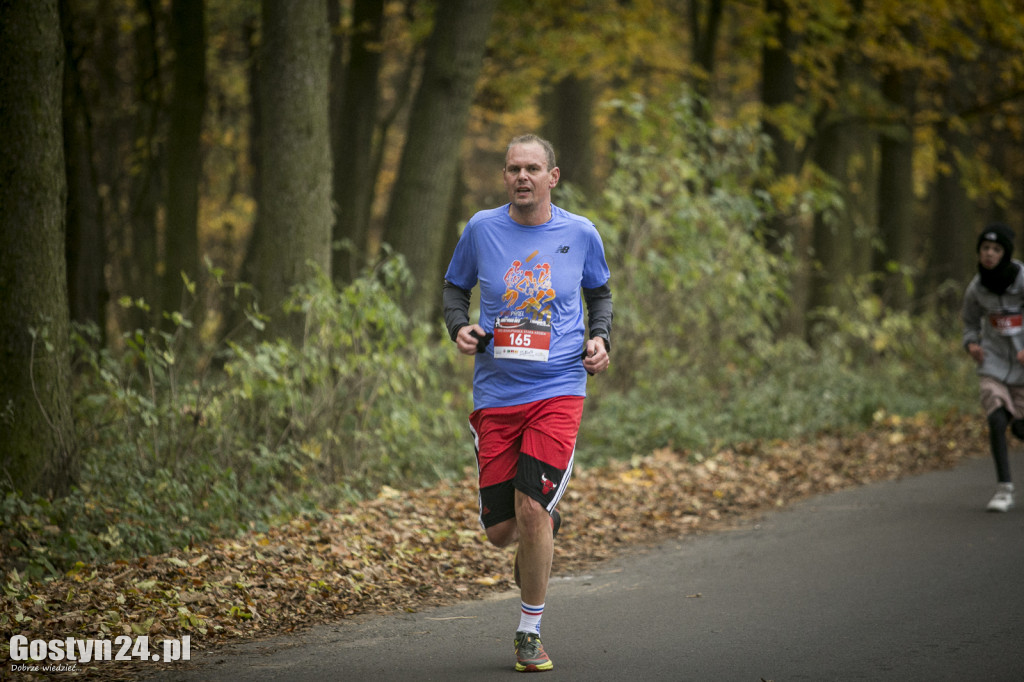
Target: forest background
224, 224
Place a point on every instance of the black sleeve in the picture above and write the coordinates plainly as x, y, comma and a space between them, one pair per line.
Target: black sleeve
456, 308
599, 313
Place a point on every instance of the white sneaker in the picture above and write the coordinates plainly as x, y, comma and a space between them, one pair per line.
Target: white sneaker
1003, 499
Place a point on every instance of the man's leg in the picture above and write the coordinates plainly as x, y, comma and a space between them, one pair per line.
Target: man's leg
533, 556
533, 525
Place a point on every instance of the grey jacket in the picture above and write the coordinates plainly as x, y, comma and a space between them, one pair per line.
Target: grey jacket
996, 321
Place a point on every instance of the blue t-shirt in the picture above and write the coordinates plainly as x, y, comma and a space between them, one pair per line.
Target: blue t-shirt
530, 279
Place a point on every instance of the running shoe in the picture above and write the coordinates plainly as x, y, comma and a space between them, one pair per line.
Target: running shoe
530, 654
556, 523
1003, 499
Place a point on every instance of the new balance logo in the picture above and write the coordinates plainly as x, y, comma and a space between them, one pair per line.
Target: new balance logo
563, 249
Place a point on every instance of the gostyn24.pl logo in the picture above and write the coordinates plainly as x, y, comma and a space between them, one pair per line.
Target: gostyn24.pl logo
40, 655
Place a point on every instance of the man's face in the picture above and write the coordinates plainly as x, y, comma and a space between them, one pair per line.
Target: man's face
528, 180
990, 254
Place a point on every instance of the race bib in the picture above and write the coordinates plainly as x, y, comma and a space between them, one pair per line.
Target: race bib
517, 338
1007, 322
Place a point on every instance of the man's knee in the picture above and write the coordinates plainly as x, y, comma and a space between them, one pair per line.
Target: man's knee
502, 534
529, 511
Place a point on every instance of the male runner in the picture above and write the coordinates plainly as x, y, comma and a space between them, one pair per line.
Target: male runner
532, 261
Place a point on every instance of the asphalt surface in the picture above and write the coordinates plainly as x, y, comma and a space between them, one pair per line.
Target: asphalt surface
905, 580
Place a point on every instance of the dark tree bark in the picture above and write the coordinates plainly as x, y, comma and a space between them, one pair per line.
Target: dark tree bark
107, 98
1006, 159
37, 439
704, 28
956, 219
569, 125
251, 33
426, 175
184, 154
295, 208
896, 196
353, 133
845, 150
250, 267
778, 91
85, 245
145, 184
705, 20
951, 255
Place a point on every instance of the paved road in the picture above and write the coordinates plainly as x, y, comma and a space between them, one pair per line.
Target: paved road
907, 580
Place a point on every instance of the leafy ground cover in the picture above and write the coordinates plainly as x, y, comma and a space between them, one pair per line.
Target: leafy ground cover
410, 550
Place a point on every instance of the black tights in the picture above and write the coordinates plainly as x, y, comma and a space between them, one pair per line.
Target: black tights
998, 420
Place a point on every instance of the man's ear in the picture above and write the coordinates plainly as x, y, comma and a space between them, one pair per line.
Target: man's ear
555, 174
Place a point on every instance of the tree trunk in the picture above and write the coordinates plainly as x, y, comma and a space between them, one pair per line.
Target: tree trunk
951, 250
845, 150
426, 175
37, 440
955, 226
85, 246
842, 245
144, 181
250, 267
896, 197
569, 125
184, 156
779, 91
1004, 158
831, 243
251, 33
112, 142
353, 136
703, 39
295, 208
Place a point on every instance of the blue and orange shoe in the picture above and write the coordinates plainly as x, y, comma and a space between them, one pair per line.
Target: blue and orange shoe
530, 654
556, 523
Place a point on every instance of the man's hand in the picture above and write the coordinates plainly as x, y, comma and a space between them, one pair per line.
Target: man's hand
595, 358
466, 342
975, 351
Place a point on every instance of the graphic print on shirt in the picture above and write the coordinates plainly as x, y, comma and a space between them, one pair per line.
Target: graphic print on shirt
522, 330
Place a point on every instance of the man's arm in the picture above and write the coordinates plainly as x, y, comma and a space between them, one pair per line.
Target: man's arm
599, 323
470, 338
599, 313
456, 308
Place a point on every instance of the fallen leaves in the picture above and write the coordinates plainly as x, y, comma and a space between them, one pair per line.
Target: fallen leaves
407, 550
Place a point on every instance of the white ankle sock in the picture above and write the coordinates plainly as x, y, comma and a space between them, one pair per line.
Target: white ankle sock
529, 621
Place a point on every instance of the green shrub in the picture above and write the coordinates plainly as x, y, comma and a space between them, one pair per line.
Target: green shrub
798, 391
697, 360
177, 451
369, 397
